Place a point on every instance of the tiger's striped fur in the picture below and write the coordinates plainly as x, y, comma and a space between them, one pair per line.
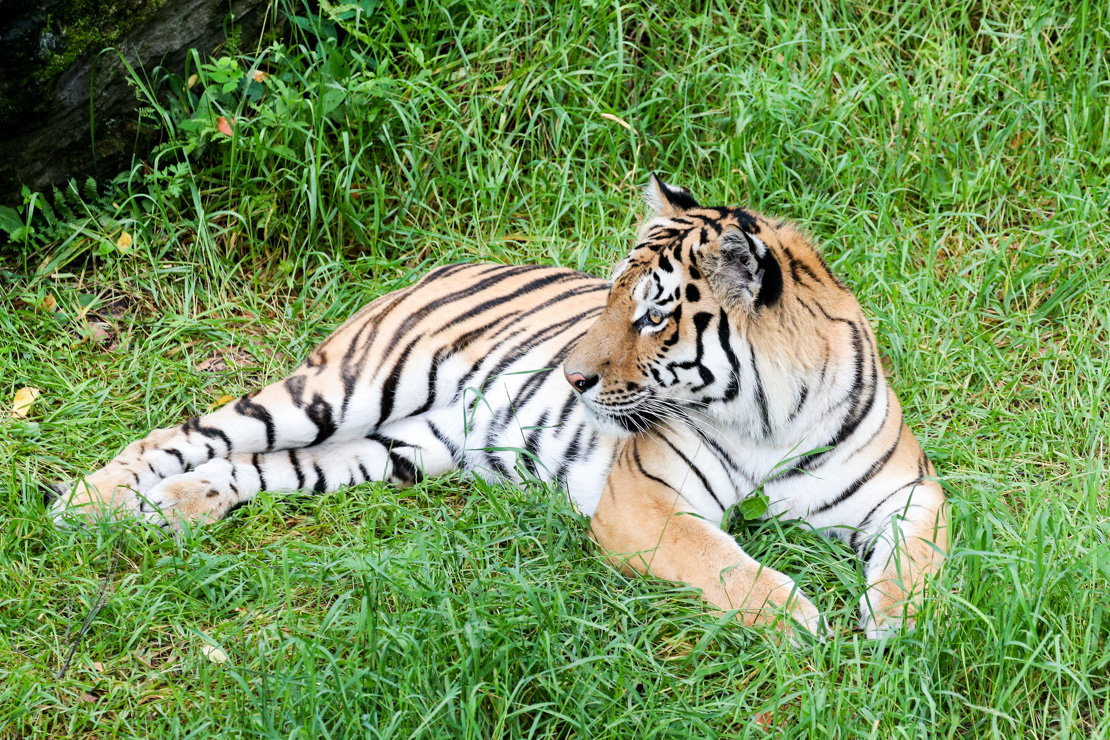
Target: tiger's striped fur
723, 348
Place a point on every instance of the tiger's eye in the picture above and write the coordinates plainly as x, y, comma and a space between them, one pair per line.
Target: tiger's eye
655, 316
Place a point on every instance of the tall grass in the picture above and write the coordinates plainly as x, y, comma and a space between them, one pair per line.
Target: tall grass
953, 159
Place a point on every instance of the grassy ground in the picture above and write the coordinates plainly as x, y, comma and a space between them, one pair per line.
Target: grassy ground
953, 158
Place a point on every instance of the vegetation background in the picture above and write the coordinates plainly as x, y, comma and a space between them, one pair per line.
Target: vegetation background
953, 158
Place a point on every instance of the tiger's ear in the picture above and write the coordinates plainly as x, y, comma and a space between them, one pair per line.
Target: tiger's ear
743, 273
666, 200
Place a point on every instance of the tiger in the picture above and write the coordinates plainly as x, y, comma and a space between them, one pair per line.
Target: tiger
723, 358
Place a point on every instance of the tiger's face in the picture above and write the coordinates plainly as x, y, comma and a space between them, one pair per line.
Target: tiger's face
701, 288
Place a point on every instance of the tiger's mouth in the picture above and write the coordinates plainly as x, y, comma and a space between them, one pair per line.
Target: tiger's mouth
625, 421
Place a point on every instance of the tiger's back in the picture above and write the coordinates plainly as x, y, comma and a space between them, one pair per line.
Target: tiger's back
461, 369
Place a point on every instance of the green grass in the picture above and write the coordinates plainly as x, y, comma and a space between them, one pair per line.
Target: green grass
953, 159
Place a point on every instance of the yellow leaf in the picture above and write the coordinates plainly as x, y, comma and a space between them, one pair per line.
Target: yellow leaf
24, 399
124, 242
214, 654
614, 119
220, 402
192, 80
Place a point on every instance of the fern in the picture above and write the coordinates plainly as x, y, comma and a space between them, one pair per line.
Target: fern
91, 194
63, 209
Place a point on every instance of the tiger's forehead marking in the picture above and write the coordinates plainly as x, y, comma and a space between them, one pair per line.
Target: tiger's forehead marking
658, 286
654, 271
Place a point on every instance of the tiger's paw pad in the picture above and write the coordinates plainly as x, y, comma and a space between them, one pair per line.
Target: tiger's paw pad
189, 497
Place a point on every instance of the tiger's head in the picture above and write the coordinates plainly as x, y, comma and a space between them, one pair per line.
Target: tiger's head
716, 312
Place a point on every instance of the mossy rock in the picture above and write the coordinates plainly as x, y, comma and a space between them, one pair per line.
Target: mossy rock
53, 55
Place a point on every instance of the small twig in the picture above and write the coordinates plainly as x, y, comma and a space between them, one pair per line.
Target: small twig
102, 599
30, 657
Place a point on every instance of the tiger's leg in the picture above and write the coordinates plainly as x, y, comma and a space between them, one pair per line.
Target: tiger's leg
647, 527
213, 488
308, 408
904, 543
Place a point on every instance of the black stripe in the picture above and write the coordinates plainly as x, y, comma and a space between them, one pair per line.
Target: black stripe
294, 385
194, 425
403, 469
529, 388
531, 447
701, 321
446, 441
319, 412
389, 387
245, 406
696, 471
350, 369
519, 316
643, 470
770, 289
500, 300
760, 395
565, 412
570, 455
858, 483
296, 463
856, 412
447, 270
440, 356
800, 403
797, 267
497, 466
725, 457
321, 483
852, 541
421, 313
258, 467
517, 350
724, 336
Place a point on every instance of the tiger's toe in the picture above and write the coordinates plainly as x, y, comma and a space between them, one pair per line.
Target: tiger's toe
185, 498
801, 612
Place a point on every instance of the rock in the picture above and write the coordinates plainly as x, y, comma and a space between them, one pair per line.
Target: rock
52, 56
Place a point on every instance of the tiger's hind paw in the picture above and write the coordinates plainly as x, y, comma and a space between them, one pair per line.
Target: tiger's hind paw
99, 496
191, 498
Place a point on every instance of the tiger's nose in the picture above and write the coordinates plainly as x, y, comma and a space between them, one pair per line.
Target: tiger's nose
580, 382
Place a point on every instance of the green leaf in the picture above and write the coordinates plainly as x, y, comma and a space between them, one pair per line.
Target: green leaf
10, 221
753, 507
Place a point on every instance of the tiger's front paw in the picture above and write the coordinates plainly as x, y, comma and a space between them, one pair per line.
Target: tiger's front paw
788, 599
99, 496
193, 497
882, 615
